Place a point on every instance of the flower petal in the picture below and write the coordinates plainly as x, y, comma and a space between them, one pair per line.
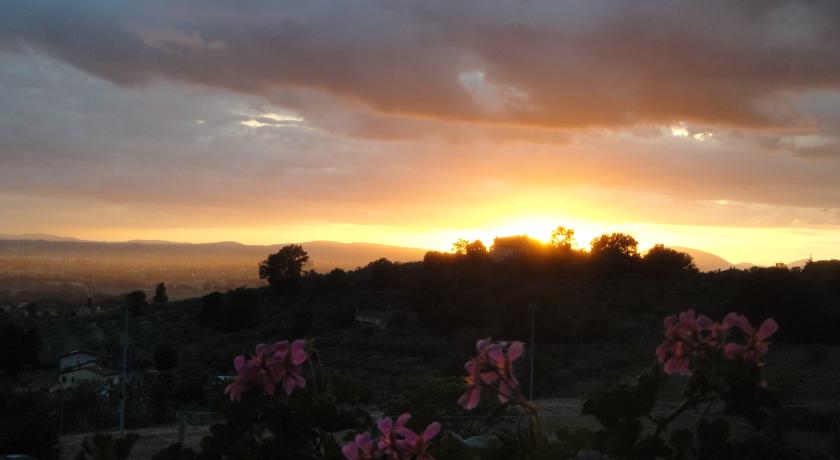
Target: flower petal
384, 424
768, 328
239, 362
431, 431
404, 418
515, 350
350, 451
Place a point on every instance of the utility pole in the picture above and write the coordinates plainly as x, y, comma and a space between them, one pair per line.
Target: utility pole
124, 369
532, 309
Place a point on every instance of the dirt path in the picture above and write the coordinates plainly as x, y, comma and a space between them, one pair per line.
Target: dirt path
151, 441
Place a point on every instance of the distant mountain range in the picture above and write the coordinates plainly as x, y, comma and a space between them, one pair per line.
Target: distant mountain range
708, 262
324, 255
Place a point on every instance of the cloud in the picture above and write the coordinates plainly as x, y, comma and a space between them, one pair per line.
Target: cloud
829, 150
548, 64
417, 115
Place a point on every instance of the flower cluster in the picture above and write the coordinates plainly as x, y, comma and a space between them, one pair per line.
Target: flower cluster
270, 365
688, 336
492, 368
396, 442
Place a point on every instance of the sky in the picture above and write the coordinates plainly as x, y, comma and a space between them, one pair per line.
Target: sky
713, 125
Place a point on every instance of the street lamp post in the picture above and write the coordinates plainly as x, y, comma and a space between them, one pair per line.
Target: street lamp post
124, 369
532, 309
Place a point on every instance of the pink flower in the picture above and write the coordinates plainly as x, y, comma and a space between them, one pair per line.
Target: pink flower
687, 336
362, 448
391, 442
756, 339
396, 442
269, 365
418, 445
503, 360
684, 333
474, 380
285, 367
252, 373
493, 364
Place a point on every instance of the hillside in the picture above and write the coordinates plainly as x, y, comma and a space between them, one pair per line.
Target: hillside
324, 255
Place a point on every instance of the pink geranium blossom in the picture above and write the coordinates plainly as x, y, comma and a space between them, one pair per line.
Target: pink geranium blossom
270, 364
684, 334
392, 442
419, 444
396, 442
285, 368
688, 337
492, 367
362, 448
503, 361
756, 344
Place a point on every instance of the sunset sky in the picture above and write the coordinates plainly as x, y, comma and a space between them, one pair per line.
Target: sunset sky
713, 125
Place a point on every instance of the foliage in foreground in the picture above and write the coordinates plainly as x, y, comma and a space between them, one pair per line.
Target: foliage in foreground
308, 419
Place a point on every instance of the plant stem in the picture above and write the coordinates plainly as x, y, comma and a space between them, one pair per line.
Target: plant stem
662, 424
702, 414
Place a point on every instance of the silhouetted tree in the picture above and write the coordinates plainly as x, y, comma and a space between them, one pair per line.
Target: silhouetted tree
241, 311
165, 357
465, 248
136, 302
460, 246
336, 280
662, 262
614, 253
383, 273
28, 426
160, 294
211, 307
562, 238
283, 269
18, 347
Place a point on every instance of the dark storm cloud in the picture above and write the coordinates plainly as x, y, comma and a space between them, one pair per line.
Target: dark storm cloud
555, 64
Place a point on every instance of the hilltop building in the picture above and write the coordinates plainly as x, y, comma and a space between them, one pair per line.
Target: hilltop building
375, 318
84, 366
514, 247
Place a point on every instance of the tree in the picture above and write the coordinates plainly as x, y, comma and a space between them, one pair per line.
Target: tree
562, 238
476, 249
614, 253
336, 280
18, 347
211, 307
616, 243
662, 262
460, 246
28, 425
160, 294
465, 248
383, 274
241, 310
283, 269
165, 357
136, 302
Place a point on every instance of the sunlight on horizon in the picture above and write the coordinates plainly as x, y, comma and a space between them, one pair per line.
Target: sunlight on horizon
736, 245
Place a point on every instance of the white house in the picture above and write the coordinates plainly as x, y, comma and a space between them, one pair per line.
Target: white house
89, 372
375, 318
77, 358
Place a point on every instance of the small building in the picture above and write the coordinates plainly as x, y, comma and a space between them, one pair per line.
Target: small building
77, 358
375, 318
89, 372
512, 247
